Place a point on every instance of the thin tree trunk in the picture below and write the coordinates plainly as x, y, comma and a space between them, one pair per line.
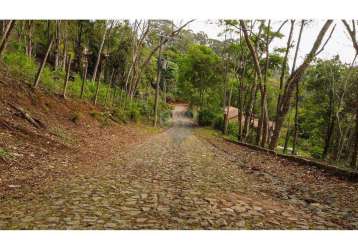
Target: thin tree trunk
99, 54
264, 109
249, 108
38, 74
6, 35
64, 56
68, 70
295, 131
57, 44
30, 25
109, 86
227, 113
156, 103
284, 63
292, 81
84, 78
287, 138
225, 107
330, 127
97, 85
240, 108
78, 49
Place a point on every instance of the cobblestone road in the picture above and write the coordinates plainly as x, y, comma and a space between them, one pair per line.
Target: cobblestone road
172, 181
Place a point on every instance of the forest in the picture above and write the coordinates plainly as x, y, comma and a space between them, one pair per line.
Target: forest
135, 68
152, 124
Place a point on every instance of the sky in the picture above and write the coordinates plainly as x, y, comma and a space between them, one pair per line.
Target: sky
340, 42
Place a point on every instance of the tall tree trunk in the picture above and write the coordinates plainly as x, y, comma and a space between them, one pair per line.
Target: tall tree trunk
249, 109
84, 78
99, 54
292, 81
226, 124
78, 49
95, 99
295, 131
48, 31
38, 74
109, 86
330, 127
225, 106
287, 138
156, 102
68, 70
264, 109
285, 58
5, 38
64, 53
30, 25
240, 109
57, 44
260, 78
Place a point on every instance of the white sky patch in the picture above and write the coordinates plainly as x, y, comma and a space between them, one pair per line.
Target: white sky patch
339, 43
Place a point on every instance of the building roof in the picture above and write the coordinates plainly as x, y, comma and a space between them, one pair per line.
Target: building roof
234, 113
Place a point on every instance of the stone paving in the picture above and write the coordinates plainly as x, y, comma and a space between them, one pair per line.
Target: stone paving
174, 180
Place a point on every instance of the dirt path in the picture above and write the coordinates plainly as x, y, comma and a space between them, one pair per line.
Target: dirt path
175, 180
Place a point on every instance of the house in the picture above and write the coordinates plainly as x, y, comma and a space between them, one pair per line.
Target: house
234, 113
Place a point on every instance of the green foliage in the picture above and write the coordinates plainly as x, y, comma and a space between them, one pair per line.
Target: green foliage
206, 117
200, 69
4, 153
21, 65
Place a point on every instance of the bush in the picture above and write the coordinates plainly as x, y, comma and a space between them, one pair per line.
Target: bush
134, 111
233, 128
316, 152
219, 123
206, 117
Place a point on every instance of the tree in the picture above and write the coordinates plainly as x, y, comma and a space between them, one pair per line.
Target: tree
68, 70
295, 131
99, 53
199, 70
5, 38
294, 79
353, 34
42, 66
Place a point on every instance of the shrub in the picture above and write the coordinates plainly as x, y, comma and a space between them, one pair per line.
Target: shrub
316, 152
233, 128
134, 111
206, 117
219, 122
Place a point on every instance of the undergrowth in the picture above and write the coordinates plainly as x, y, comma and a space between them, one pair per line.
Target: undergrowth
121, 108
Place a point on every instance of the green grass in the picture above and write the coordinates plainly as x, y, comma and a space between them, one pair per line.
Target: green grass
26, 68
4, 153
